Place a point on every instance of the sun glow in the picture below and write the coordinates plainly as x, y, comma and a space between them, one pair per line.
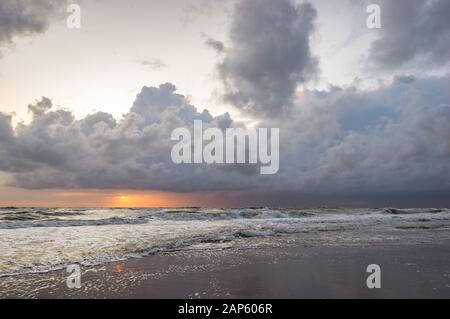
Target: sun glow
126, 200
153, 199
104, 198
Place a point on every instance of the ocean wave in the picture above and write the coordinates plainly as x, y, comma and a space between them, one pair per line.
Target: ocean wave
396, 211
43, 251
70, 223
91, 237
79, 218
231, 214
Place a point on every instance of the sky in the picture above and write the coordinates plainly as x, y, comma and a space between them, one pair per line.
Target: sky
86, 114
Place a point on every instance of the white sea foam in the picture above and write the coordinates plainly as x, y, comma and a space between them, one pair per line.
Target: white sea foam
38, 240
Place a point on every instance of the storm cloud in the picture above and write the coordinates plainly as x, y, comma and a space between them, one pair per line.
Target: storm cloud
269, 55
382, 143
57, 151
342, 142
414, 33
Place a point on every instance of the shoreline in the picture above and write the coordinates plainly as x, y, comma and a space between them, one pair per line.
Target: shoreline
299, 271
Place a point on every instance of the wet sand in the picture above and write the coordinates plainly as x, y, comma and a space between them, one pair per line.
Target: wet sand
407, 271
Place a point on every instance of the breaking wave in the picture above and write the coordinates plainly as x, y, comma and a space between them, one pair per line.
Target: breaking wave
40, 240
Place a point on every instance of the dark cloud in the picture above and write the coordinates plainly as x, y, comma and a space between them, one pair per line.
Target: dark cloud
57, 151
414, 33
269, 55
341, 144
373, 145
25, 17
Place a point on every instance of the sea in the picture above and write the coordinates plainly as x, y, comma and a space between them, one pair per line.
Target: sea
35, 240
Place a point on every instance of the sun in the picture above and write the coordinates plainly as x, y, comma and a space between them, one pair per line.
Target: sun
123, 200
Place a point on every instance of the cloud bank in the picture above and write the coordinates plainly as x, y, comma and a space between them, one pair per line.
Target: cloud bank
57, 151
343, 142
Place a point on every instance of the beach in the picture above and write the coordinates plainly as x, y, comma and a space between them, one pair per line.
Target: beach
292, 266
